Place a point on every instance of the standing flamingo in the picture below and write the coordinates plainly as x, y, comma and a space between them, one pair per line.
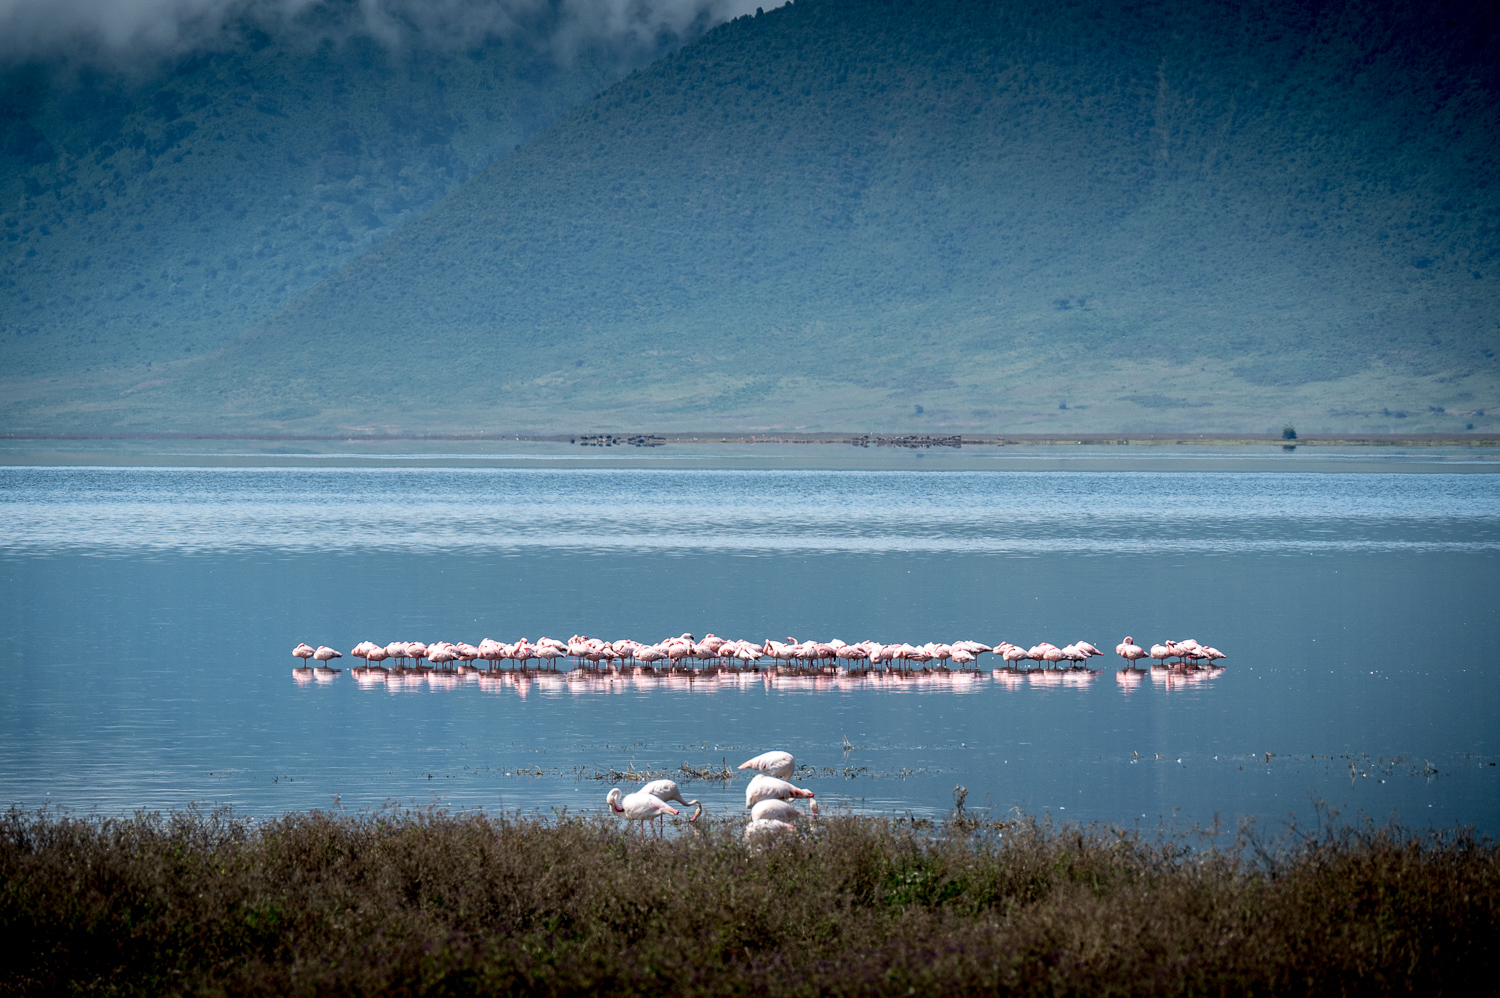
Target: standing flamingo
639, 806
667, 790
778, 764
1130, 651
765, 787
763, 830
780, 810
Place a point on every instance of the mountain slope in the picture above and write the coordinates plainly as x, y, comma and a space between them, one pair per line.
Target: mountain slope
152, 214
974, 215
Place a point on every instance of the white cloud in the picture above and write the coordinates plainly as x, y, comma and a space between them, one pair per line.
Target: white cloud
128, 29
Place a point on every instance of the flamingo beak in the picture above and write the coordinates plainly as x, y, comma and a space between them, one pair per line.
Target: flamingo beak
697, 812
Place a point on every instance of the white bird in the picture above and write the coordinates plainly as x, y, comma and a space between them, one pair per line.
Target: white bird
639, 806
776, 809
777, 764
766, 830
667, 790
766, 787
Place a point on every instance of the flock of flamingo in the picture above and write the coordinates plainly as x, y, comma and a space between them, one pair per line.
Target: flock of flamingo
716, 652
768, 798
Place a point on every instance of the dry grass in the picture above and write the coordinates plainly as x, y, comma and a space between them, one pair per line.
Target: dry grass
431, 903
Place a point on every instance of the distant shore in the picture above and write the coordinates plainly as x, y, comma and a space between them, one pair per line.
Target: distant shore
901, 440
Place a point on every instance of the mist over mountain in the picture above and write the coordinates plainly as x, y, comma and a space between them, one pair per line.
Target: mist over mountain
171, 173
982, 216
122, 33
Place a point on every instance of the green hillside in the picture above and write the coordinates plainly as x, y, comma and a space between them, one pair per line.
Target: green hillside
152, 213
983, 216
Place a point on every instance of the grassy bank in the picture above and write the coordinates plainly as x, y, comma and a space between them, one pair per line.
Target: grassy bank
441, 904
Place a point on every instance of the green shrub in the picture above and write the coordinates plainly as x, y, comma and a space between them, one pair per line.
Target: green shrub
435, 903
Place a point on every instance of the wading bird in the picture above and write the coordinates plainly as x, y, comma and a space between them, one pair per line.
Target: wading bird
639, 806
764, 830
778, 809
777, 764
766, 787
667, 790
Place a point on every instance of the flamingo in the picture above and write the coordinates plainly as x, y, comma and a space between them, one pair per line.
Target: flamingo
550, 649
775, 808
765, 830
1130, 651
1189, 650
777, 764
765, 787
1161, 653
325, 653
639, 806
667, 790
303, 651
1014, 655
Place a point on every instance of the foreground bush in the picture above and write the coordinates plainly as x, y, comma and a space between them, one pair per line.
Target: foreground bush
430, 903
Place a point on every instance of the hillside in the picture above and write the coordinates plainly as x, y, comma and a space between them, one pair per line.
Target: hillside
152, 212
977, 216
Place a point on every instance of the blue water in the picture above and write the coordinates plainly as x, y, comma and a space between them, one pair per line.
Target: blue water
147, 615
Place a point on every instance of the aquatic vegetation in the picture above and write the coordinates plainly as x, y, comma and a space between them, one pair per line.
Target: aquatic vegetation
436, 903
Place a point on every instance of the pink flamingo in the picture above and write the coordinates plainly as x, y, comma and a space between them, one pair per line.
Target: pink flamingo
639, 806
777, 810
765, 787
1130, 651
668, 790
778, 764
763, 830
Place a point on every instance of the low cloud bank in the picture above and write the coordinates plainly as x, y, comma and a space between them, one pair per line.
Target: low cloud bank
125, 31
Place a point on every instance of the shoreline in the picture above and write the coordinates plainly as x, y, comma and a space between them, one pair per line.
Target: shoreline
897, 440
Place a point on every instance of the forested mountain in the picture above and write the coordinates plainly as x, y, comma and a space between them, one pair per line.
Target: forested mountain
985, 216
151, 211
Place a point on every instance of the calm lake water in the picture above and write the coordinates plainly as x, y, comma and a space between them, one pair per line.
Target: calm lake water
147, 615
